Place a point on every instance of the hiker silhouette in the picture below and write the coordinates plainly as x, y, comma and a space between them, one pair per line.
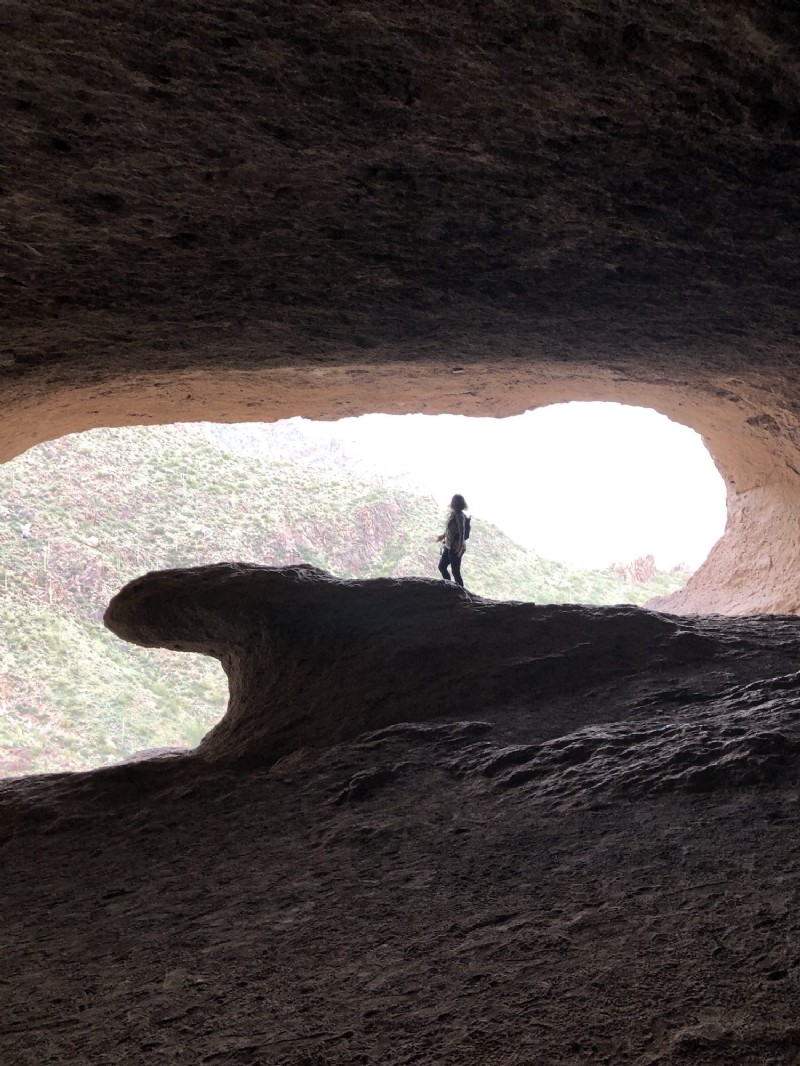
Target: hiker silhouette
454, 540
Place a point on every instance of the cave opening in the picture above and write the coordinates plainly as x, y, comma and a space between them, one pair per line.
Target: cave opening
588, 484
579, 502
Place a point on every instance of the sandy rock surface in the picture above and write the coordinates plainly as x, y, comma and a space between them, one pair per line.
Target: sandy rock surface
599, 871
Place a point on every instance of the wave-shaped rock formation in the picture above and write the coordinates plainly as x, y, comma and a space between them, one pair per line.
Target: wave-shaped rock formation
312, 661
429, 828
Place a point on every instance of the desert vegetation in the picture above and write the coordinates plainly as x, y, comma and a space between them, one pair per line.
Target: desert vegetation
82, 515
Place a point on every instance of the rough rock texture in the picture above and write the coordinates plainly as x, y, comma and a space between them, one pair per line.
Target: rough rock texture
238, 211
574, 842
312, 660
232, 211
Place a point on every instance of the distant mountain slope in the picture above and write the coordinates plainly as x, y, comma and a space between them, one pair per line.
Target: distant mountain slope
82, 515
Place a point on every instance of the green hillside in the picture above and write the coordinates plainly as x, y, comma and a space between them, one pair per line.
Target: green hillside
81, 516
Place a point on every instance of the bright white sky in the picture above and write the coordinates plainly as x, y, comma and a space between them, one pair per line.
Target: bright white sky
586, 483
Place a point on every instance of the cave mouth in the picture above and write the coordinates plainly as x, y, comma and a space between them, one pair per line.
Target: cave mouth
361, 497
589, 484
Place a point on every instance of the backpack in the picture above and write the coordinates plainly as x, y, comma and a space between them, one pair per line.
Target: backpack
452, 525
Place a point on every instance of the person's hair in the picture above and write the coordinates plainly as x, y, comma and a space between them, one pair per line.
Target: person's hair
458, 503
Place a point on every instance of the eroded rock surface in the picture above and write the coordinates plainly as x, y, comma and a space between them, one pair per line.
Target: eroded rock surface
208, 213
312, 660
434, 828
304, 181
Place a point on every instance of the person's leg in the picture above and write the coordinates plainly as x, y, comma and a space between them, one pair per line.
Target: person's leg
455, 566
443, 562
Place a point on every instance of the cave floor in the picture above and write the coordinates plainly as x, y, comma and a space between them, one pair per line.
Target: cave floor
408, 897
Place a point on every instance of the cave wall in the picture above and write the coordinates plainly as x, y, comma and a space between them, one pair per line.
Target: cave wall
233, 213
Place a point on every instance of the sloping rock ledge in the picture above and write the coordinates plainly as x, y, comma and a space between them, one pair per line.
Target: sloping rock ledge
313, 661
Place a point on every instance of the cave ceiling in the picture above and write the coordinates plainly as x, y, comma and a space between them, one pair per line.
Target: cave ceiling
217, 211
208, 185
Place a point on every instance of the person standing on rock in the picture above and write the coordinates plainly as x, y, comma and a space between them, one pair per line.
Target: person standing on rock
454, 540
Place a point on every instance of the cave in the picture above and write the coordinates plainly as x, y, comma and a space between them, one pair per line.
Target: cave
561, 834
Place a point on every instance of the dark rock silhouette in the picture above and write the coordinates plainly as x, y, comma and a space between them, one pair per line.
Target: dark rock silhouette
458, 829
312, 660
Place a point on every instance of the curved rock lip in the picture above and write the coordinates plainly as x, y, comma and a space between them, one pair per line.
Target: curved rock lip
208, 609
313, 660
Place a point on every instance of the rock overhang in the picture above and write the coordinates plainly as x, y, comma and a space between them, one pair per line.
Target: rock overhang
225, 214
313, 660
349, 182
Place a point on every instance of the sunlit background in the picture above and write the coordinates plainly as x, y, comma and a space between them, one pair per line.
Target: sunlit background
586, 483
568, 505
